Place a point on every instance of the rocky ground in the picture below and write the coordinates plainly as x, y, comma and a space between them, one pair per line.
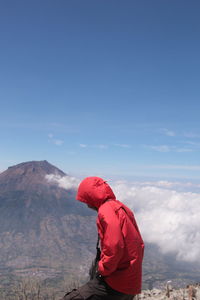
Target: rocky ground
191, 292
28, 289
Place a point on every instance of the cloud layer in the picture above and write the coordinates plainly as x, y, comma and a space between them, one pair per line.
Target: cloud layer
167, 217
65, 182
168, 213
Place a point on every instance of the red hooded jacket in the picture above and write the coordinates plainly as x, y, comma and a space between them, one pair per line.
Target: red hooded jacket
122, 246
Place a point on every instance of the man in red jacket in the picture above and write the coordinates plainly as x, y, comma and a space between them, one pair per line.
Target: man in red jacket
119, 274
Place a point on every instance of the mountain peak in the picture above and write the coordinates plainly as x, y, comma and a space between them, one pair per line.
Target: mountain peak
36, 166
25, 174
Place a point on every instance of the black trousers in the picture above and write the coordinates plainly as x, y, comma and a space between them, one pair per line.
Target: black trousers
96, 289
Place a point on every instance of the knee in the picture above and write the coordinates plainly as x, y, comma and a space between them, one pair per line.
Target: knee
74, 294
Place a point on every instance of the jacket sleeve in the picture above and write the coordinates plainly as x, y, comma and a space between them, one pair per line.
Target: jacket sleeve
112, 243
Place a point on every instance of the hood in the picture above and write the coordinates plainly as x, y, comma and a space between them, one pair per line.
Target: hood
94, 191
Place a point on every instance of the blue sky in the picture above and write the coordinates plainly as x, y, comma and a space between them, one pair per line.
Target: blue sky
101, 87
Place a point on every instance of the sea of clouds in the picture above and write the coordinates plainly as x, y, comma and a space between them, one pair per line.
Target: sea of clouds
166, 217
168, 213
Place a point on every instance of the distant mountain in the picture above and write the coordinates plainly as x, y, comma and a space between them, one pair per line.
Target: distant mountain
26, 175
42, 227
26, 197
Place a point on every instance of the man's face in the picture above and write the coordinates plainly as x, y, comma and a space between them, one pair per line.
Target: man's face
92, 207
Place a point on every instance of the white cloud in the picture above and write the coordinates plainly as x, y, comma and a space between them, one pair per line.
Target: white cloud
101, 146
122, 145
161, 148
191, 135
55, 141
180, 186
166, 217
181, 150
168, 132
166, 148
65, 182
58, 142
175, 167
104, 146
197, 144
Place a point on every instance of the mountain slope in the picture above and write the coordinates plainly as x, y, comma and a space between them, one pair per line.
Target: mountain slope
42, 226
26, 197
